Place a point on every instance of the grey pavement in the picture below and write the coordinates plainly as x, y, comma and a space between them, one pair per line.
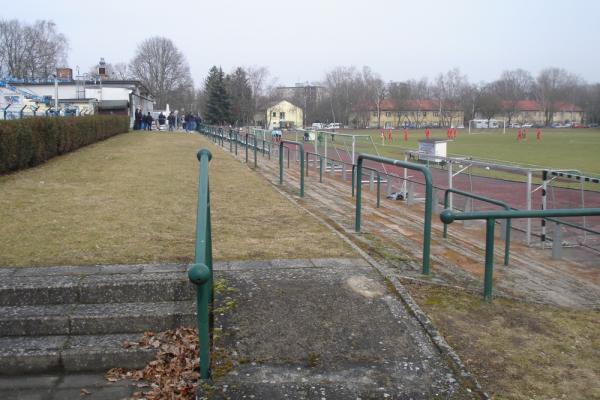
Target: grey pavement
300, 329
324, 329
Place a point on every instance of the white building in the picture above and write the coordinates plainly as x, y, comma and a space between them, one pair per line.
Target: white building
75, 97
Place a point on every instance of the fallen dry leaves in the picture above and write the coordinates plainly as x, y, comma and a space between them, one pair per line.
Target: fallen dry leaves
172, 374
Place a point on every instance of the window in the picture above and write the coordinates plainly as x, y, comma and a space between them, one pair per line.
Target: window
274, 113
374, 113
388, 114
424, 114
436, 113
282, 115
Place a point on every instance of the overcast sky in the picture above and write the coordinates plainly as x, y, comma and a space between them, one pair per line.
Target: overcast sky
301, 40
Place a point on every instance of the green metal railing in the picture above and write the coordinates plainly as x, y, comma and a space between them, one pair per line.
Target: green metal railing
301, 151
487, 200
201, 272
320, 157
428, 198
449, 216
378, 182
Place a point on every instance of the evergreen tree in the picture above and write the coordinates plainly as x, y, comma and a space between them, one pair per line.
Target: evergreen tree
218, 104
240, 93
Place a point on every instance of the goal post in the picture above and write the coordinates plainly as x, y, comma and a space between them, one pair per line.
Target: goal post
485, 125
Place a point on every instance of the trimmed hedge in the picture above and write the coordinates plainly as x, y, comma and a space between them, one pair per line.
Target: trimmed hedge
28, 142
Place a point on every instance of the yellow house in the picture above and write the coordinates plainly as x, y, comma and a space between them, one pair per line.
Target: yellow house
282, 114
410, 113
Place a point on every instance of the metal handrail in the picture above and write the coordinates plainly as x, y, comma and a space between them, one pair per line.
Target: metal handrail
201, 272
428, 198
301, 146
449, 216
487, 200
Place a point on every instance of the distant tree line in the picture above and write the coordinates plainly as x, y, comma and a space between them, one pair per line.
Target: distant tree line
33, 51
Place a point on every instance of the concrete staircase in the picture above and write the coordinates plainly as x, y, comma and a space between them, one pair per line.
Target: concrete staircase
75, 319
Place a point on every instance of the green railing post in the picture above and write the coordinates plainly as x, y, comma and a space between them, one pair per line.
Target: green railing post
230, 142
246, 148
301, 151
353, 172
489, 259
307, 163
237, 139
281, 163
321, 169
200, 273
255, 151
358, 194
428, 199
378, 189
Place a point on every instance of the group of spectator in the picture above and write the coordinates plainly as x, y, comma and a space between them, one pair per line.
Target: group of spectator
145, 122
141, 121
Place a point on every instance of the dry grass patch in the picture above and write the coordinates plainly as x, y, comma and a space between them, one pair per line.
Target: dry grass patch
132, 199
518, 350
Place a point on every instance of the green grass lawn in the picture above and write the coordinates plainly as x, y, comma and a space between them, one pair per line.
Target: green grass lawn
559, 148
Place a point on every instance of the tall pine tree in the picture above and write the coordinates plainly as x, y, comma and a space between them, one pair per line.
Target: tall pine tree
240, 93
218, 104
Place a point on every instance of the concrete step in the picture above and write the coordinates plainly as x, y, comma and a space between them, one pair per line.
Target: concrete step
95, 285
94, 319
61, 353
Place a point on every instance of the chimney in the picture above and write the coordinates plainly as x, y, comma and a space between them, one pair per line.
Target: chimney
102, 69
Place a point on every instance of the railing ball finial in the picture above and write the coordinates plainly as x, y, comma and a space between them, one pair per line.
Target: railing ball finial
447, 216
198, 274
204, 151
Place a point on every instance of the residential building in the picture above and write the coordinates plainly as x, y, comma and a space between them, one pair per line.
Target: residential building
281, 114
533, 112
390, 113
305, 95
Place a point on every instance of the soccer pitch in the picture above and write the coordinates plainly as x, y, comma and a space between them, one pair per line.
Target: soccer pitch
558, 148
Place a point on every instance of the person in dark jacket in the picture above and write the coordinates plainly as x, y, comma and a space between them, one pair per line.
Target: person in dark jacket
171, 119
137, 121
149, 121
161, 120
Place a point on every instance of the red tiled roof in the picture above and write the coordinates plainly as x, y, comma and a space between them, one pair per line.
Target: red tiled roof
408, 105
532, 105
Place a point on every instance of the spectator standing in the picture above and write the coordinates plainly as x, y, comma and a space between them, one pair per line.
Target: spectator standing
149, 121
171, 119
161, 120
137, 120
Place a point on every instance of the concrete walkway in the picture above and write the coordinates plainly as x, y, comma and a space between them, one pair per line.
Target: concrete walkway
323, 329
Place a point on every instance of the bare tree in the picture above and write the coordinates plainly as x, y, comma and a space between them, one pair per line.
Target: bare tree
489, 102
31, 51
512, 87
554, 85
374, 90
163, 69
447, 91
